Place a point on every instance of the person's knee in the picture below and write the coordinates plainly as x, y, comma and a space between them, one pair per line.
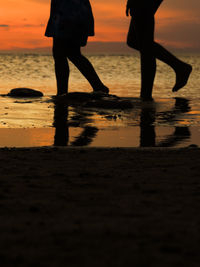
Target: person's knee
146, 49
75, 57
132, 43
59, 60
57, 55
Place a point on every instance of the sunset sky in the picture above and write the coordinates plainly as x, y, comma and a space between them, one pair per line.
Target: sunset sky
22, 23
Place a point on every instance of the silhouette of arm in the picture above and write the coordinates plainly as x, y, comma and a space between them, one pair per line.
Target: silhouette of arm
129, 6
157, 3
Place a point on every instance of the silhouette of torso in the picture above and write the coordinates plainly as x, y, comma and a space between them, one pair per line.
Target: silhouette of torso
147, 5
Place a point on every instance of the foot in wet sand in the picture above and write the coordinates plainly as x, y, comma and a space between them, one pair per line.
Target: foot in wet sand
61, 95
182, 76
103, 90
147, 99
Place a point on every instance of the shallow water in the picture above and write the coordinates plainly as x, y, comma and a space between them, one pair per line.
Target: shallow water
42, 122
168, 121
121, 73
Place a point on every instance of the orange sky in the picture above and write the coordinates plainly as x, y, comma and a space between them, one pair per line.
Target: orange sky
22, 23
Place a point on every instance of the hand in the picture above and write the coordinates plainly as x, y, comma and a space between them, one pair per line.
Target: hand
127, 10
156, 5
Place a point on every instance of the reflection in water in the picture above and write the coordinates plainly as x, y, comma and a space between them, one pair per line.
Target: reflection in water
62, 124
86, 137
147, 124
61, 137
83, 118
180, 134
147, 128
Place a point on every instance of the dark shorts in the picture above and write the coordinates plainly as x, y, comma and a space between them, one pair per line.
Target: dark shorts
141, 31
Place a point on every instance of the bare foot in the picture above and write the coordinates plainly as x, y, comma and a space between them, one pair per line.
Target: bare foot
182, 76
103, 90
147, 99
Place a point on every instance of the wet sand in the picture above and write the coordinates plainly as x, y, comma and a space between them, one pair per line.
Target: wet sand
28, 122
99, 207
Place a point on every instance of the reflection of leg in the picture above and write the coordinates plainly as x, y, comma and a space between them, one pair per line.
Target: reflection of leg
61, 125
147, 136
86, 68
180, 134
61, 67
181, 68
86, 137
147, 128
182, 105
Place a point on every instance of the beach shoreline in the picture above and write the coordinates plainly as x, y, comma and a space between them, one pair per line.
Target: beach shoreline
44, 122
99, 206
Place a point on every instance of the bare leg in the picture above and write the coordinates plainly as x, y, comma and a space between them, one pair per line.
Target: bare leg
181, 68
144, 31
87, 69
62, 75
148, 71
61, 69
164, 55
63, 50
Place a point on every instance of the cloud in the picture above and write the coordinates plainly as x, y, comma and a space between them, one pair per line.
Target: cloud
32, 25
22, 25
4, 25
42, 1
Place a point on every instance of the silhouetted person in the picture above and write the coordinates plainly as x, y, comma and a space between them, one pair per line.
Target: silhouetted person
70, 24
141, 37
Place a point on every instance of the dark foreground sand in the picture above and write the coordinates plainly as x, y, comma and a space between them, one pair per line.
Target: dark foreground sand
99, 207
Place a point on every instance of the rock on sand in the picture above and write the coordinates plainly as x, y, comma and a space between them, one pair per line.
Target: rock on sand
24, 92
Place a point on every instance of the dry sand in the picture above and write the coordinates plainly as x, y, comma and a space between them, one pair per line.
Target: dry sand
99, 207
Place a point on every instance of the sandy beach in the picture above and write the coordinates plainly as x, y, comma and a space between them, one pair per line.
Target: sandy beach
83, 184
99, 207
100, 151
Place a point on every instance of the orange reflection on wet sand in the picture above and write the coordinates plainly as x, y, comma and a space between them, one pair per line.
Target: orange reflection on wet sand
104, 137
26, 137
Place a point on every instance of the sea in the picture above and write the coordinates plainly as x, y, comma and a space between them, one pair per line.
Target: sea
171, 120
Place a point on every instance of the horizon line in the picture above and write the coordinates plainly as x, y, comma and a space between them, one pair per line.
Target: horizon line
94, 47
